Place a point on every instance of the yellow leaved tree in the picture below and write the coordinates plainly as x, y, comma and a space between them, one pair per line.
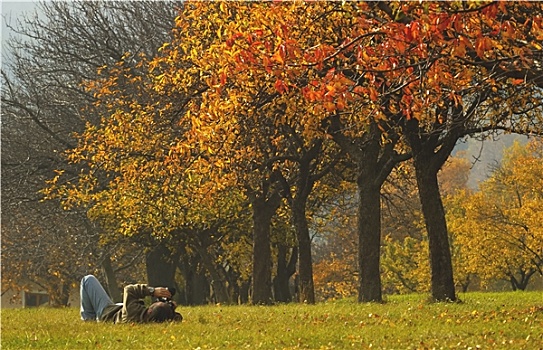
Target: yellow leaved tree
499, 227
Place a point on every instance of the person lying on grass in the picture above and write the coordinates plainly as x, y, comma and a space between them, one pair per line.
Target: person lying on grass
96, 305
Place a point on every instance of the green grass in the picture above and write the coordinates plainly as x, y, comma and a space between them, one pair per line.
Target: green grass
481, 320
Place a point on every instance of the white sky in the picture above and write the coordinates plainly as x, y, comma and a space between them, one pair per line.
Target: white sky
11, 11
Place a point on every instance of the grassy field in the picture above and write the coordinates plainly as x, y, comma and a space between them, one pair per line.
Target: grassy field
481, 320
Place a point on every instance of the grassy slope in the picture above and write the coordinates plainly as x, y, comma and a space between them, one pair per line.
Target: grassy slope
485, 320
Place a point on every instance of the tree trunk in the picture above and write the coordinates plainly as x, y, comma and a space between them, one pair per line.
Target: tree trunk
111, 280
285, 269
218, 279
60, 295
196, 287
161, 265
369, 240
374, 163
465, 284
430, 152
244, 288
522, 283
305, 261
263, 211
436, 226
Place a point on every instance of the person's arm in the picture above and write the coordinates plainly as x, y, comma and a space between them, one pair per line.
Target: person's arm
133, 308
140, 291
159, 292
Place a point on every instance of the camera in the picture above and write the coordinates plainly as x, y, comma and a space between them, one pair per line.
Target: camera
164, 299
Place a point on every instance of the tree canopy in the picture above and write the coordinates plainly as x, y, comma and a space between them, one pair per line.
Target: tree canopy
250, 105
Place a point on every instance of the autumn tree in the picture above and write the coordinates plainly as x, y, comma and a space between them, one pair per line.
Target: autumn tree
42, 102
308, 64
241, 143
419, 68
153, 180
500, 225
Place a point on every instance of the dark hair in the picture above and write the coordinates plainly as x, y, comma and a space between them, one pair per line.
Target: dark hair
160, 312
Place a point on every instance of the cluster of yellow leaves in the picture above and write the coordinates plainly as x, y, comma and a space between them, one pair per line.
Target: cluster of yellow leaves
145, 167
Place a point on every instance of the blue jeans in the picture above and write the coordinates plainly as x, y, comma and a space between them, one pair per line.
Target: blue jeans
94, 299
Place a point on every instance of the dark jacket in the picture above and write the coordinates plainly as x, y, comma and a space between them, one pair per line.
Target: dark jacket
132, 309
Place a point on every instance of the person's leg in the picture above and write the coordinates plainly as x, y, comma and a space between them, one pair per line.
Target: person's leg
93, 298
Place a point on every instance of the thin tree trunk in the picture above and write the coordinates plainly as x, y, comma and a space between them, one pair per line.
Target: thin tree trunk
111, 280
306, 178
218, 280
434, 217
60, 296
305, 261
285, 270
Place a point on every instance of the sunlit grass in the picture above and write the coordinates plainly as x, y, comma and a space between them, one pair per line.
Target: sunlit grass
481, 320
